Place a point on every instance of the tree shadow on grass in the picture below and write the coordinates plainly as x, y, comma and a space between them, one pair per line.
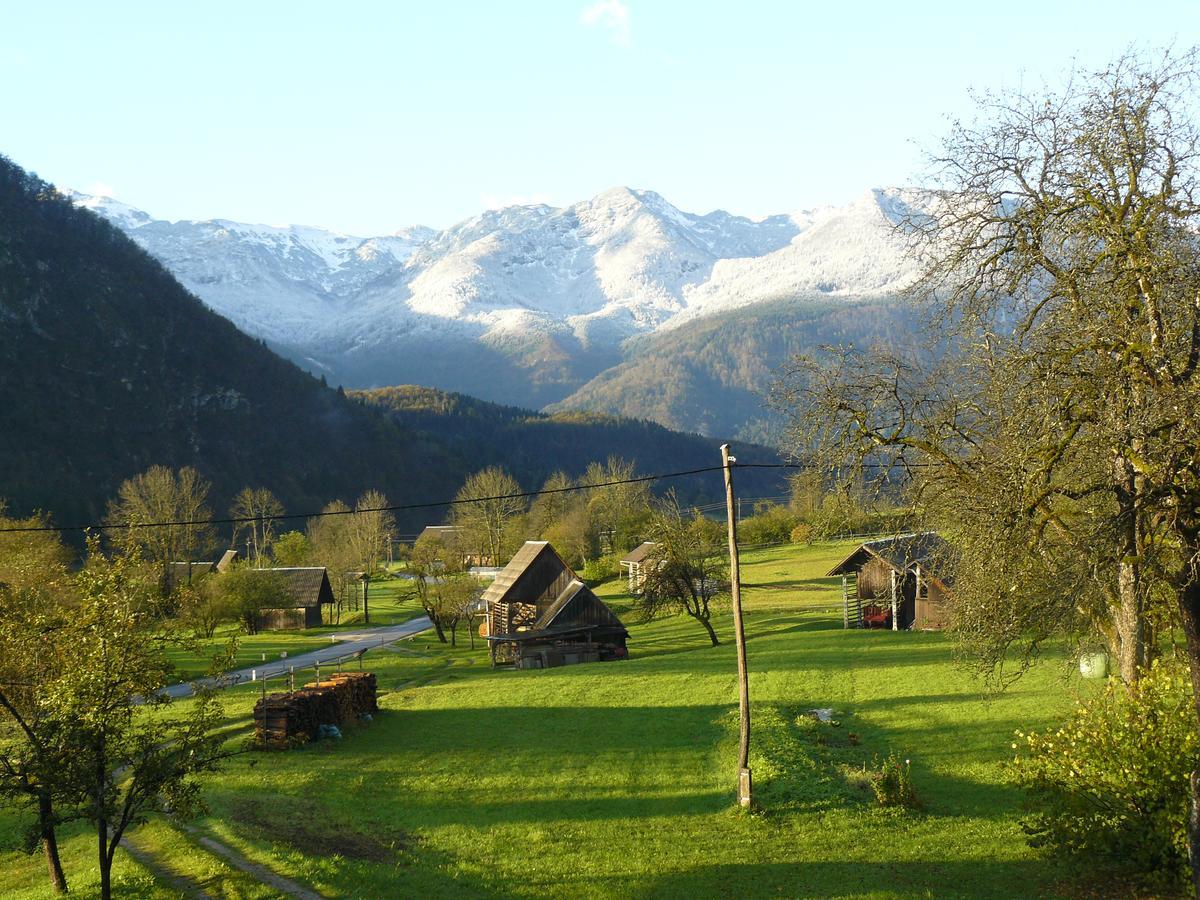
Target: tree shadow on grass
884, 875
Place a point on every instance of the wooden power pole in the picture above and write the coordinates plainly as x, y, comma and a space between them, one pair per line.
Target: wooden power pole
739, 633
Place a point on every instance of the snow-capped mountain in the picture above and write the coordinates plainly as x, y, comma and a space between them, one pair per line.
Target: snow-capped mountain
522, 304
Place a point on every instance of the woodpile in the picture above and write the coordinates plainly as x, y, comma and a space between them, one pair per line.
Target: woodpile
284, 720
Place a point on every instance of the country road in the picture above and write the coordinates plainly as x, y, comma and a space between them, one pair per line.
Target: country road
348, 643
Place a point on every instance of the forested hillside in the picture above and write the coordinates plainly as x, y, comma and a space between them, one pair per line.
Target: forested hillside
534, 445
109, 366
713, 374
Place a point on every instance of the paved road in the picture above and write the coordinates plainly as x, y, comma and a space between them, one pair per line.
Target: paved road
348, 642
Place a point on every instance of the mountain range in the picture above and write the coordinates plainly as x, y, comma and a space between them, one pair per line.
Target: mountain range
108, 366
621, 303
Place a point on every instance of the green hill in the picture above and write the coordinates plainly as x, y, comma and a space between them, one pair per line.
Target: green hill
713, 375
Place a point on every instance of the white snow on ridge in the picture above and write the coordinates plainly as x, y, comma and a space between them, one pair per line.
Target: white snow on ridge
622, 263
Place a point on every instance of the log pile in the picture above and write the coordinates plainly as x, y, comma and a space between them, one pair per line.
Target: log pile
284, 720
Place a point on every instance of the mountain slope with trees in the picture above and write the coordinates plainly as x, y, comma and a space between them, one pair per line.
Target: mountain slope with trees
109, 366
713, 374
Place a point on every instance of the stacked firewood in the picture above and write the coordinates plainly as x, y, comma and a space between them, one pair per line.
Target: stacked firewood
284, 720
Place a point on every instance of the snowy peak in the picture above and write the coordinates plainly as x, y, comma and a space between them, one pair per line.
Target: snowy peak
589, 275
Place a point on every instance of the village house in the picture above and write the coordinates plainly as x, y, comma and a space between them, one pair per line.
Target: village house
634, 564
539, 614
895, 583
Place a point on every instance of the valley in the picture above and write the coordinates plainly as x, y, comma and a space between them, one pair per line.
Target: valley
621, 303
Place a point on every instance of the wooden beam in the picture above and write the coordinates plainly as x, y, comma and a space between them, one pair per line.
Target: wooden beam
895, 616
845, 603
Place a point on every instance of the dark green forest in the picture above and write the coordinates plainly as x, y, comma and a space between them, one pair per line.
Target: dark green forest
109, 366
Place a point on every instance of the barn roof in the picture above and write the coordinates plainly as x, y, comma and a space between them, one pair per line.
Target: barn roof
308, 585
577, 605
902, 552
639, 553
530, 552
186, 572
441, 532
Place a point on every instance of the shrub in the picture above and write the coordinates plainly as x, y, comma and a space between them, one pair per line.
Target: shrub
601, 569
893, 784
768, 525
802, 534
1111, 785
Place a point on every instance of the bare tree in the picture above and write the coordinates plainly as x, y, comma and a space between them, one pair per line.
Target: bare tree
484, 510
1059, 433
160, 495
263, 509
332, 543
688, 567
371, 531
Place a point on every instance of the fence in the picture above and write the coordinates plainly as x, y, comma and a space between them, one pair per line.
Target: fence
333, 663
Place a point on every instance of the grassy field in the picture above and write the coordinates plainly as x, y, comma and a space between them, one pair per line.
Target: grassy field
392, 601
618, 779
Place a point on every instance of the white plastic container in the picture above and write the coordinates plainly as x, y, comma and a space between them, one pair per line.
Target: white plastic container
1093, 665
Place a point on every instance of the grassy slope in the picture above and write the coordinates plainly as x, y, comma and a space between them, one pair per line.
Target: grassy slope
617, 779
391, 602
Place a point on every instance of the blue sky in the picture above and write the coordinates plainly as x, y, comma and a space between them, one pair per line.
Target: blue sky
366, 117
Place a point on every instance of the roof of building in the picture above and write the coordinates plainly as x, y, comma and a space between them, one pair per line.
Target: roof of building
525, 557
639, 553
577, 605
308, 585
438, 531
186, 572
902, 552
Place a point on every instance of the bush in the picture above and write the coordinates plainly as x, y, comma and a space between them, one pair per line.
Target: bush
1112, 785
893, 784
802, 534
768, 525
601, 569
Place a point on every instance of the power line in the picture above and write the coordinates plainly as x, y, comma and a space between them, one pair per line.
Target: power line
241, 520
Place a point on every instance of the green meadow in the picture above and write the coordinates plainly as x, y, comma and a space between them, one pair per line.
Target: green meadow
617, 779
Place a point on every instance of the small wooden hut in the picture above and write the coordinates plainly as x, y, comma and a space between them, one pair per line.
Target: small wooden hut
895, 585
634, 564
539, 614
308, 587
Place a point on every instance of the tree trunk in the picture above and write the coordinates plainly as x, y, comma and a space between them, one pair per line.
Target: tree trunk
1189, 614
1131, 612
105, 861
58, 880
712, 635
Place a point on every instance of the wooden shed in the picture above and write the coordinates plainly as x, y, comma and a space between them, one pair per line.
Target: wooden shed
189, 572
895, 583
634, 564
539, 614
309, 588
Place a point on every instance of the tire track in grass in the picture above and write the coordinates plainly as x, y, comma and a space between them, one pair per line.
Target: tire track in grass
187, 886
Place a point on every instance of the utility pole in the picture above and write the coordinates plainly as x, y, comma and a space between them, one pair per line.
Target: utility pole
739, 633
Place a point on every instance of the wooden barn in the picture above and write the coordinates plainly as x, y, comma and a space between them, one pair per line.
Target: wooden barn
539, 614
188, 572
309, 588
450, 537
634, 564
895, 585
